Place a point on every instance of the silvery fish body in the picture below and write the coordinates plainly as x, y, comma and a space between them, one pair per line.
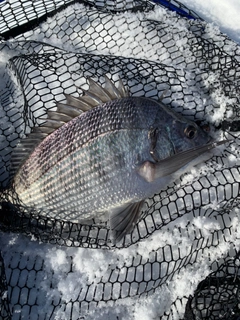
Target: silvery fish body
107, 159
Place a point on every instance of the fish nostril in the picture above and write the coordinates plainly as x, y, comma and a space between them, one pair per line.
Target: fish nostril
205, 128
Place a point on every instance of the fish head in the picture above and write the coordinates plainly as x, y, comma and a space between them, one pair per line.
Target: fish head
185, 134
176, 144
172, 133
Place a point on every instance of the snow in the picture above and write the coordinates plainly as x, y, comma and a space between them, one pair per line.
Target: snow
54, 273
224, 14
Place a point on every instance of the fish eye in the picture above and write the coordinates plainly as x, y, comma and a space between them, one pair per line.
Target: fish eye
190, 132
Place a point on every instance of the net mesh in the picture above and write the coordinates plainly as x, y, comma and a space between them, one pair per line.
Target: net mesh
188, 231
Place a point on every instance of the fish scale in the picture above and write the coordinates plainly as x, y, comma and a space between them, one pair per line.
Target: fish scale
77, 133
108, 159
49, 156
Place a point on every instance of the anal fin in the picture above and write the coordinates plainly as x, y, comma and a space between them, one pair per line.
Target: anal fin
123, 219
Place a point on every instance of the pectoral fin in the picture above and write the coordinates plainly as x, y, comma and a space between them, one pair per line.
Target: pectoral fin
123, 219
151, 171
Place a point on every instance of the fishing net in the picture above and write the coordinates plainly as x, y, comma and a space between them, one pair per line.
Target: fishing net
181, 260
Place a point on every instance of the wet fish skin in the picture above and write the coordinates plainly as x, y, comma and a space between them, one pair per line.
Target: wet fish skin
92, 164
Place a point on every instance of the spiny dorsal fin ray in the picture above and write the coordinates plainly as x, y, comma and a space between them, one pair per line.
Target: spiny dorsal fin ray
51, 123
114, 92
68, 110
95, 95
93, 98
43, 129
55, 115
122, 89
82, 103
163, 94
98, 90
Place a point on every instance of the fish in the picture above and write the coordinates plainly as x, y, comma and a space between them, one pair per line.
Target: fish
103, 154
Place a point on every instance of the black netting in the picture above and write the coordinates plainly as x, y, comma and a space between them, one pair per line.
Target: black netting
217, 296
4, 303
184, 229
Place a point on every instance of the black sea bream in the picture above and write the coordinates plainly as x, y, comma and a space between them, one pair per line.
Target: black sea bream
104, 153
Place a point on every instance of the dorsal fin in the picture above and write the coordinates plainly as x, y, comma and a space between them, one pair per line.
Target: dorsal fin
95, 95
109, 92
